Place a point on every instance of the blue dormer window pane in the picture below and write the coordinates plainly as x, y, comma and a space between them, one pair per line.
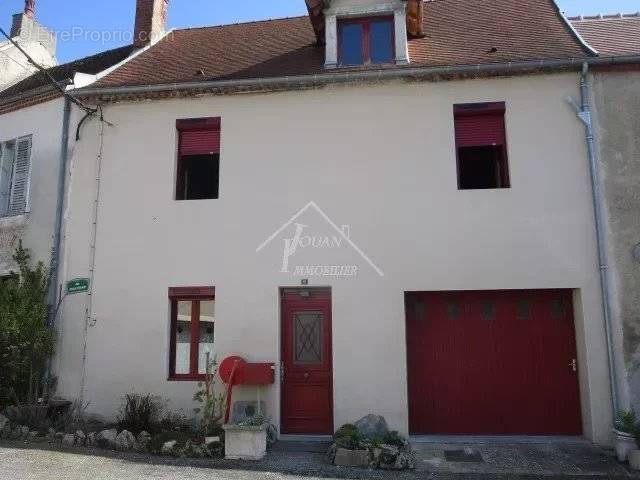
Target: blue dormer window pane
351, 44
381, 42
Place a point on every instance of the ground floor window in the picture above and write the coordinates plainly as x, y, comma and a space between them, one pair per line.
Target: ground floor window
192, 331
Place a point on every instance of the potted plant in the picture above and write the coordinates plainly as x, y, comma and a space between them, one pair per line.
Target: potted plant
624, 433
246, 440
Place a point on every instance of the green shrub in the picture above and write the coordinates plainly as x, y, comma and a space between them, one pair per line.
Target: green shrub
626, 421
26, 342
348, 436
140, 413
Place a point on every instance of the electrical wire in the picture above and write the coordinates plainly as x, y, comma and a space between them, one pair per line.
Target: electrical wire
16, 61
46, 73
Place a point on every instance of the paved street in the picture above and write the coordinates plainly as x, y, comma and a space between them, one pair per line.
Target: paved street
56, 463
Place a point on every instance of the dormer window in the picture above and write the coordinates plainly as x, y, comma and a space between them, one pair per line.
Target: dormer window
365, 41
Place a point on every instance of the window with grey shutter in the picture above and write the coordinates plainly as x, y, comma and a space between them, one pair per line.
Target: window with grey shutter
7, 154
20, 182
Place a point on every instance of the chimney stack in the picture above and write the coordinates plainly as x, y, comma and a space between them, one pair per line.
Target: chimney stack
30, 8
151, 21
415, 16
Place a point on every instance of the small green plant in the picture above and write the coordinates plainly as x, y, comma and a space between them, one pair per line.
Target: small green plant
626, 421
211, 410
348, 436
255, 421
140, 413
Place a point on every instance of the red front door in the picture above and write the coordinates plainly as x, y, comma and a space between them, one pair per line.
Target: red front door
492, 362
307, 397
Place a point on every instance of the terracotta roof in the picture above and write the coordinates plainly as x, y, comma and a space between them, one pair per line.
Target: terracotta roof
458, 32
610, 34
64, 73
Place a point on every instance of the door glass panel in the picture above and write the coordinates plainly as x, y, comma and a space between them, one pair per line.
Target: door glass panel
207, 330
183, 338
307, 337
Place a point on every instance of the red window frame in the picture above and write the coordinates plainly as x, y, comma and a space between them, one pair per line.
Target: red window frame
195, 295
496, 136
366, 43
187, 126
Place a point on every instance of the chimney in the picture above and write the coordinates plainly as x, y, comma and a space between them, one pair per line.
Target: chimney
151, 21
30, 8
25, 28
415, 14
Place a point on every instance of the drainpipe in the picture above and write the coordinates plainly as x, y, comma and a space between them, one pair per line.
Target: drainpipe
54, 268
584, 114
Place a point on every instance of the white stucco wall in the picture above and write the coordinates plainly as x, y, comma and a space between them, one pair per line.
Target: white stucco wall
378, 158
15, 67
44, 123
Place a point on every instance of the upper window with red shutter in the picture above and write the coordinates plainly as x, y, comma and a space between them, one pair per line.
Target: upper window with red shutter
481, 146
198, 172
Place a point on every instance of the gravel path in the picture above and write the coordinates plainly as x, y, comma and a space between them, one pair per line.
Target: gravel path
58, 463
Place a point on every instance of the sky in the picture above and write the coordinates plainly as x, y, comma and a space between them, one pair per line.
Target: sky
85, 27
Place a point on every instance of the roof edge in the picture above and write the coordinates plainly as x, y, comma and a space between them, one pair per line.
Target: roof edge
573, 30
288, 82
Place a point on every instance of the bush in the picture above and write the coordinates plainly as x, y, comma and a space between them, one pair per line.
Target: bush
26, 342
626, 421
140, 413
348, 436
155, 446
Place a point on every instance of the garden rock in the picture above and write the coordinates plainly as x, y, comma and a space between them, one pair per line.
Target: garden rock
24, 432
210, 440
69, 440
125, 441
107, 439
142, 441
5, 432
32, 436
91, 440
167, 447
80, 439
3, 421
16, 433
51, 434
372, 426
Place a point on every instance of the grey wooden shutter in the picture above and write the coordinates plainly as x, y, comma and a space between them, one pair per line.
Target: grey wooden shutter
21, 170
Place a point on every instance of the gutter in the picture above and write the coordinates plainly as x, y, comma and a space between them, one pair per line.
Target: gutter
583, 111
356, 76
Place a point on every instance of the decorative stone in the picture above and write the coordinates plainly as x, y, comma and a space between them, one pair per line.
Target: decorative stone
634, 459
32, 436
80, 438
245, 442
91, 440
142, 441
24, 432
210, 440
69, 440
51, 433
107, 439
352, 458
58, 436
167, 447
372, 426
125, 441
5, 432
16, 433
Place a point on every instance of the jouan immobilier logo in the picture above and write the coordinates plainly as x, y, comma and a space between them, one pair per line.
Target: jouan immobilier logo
314, 246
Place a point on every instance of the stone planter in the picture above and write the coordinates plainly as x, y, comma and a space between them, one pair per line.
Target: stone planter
624, 443
245, 442
634, 459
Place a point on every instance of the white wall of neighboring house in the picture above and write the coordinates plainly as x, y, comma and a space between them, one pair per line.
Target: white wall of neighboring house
44, 123
379, 158
14, 66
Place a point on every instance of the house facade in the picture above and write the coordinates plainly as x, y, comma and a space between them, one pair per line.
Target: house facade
389, 206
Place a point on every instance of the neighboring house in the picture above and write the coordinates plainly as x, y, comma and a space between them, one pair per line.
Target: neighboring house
35, 120
615, 96
390, 201
33, 38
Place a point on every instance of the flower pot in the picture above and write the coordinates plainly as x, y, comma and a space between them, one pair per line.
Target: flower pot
624, 443
245, 442
634, 459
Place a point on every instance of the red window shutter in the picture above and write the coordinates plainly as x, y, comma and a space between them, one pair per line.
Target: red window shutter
480, 130
199, 136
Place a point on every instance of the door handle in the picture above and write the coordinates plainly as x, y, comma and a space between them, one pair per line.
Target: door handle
574, 365
306, 375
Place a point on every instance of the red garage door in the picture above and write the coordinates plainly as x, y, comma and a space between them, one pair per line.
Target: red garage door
492, 362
